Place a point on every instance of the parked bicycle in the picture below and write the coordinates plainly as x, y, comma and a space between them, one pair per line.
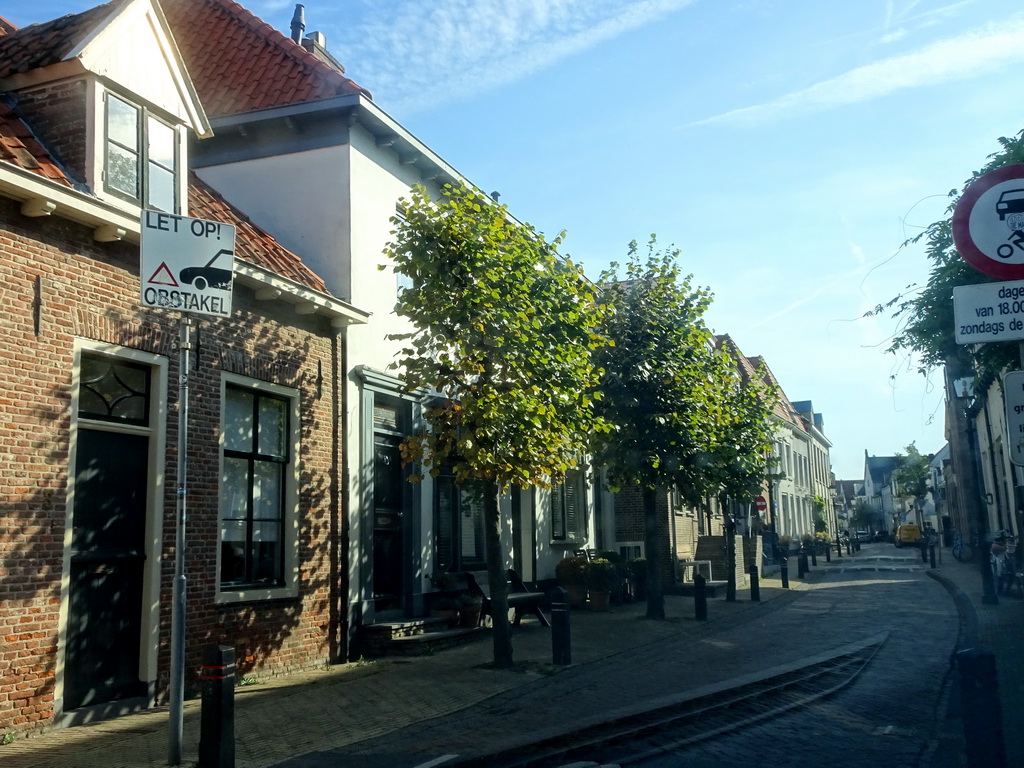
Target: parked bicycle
962, 550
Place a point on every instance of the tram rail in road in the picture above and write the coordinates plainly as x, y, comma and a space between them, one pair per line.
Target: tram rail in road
671, 723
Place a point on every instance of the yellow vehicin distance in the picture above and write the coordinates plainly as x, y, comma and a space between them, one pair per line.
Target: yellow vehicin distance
908, 533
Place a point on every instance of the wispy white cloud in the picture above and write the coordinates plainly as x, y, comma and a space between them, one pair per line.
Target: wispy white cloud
894, 36
417, 54
964, 57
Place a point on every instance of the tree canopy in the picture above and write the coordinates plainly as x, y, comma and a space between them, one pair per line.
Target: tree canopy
678, 414
911, 474
658, 375
503, 328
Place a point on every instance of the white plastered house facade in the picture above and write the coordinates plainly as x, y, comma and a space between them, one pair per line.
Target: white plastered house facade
325, 178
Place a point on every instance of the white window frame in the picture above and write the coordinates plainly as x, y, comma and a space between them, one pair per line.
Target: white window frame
291, 511
145, 114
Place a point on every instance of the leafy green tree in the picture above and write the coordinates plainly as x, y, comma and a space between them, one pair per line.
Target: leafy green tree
739, 452
925, 313
911, 476
864, 517
659, 385
503, 328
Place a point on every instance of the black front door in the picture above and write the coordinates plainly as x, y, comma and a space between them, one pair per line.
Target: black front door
107, 558
389, 489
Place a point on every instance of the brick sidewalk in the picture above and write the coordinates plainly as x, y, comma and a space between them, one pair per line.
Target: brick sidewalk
330, 708
318, 711
995, 628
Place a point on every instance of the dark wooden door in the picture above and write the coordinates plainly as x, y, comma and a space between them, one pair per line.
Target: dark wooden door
389, 489
107, 558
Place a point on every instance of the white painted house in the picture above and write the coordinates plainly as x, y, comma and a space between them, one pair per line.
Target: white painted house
322, 167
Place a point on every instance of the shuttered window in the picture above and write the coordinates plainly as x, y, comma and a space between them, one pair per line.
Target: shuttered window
459, 525
568, 508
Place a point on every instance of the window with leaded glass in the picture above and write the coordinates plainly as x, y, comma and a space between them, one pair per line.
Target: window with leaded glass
568, 508
255, 461
141, 156
110, 389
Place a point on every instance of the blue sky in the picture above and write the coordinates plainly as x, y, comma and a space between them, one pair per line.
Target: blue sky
787, 147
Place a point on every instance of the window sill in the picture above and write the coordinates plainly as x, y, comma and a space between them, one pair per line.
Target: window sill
255, 594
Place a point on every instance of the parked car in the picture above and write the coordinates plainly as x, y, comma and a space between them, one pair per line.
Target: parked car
862, 536
907, 534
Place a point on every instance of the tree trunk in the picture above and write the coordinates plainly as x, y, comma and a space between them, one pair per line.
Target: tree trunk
730, 550
652, 546
497, 578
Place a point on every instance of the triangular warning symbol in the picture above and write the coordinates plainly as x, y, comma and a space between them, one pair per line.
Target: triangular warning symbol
163, 276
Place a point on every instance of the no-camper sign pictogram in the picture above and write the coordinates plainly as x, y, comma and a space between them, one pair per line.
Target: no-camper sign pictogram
988, 223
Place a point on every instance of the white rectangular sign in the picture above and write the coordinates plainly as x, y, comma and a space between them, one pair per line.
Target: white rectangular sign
989, 312
187, 264
1013, 396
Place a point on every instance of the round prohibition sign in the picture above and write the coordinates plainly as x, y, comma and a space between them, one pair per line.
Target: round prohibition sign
988, 223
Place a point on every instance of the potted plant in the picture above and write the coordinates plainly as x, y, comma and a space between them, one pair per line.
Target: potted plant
445, 608
444, 582
602, 577
571, 574
469, 610
620, 592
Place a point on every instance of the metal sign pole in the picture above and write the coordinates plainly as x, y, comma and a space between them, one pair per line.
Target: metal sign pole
177, 693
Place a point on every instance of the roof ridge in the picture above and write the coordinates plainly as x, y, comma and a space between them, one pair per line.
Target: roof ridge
274, 69
284, 42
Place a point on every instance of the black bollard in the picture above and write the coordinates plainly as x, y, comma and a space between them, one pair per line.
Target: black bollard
755, 585
784, 570
981, 710
217, 719
561, 639
801, 565
814, 557
924, 552
931, 555
839, 548
700, 597
849, 546
828, 553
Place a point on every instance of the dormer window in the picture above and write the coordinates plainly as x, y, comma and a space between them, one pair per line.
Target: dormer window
141, 156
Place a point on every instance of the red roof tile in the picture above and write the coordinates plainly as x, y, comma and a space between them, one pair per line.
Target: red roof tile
19, 147
252, 243
239, 63
39, 45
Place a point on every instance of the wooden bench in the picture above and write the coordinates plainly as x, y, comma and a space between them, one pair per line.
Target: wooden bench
520, 598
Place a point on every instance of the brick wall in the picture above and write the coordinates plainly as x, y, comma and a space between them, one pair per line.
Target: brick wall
91, 290
629, 524
57, 114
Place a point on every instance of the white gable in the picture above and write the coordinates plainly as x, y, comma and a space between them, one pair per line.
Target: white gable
133, 48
